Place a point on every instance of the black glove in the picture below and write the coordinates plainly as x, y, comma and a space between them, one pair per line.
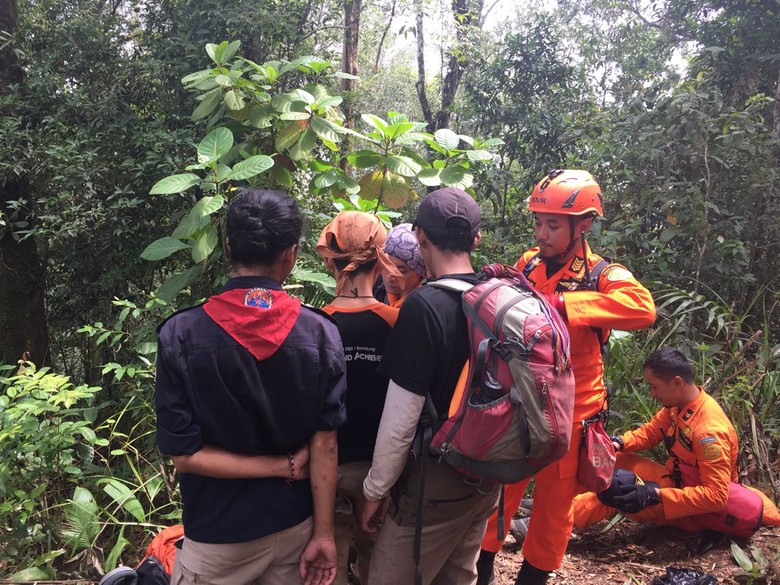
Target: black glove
620, 478
636, 497
618, 440
628, 493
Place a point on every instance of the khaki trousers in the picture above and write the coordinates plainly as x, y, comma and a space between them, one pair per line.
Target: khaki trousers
347, 524
454, 516
271, 560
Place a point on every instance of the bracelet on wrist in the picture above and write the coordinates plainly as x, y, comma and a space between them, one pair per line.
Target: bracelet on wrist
291, 467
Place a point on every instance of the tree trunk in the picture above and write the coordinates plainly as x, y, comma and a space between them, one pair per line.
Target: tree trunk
22, 313
422, 95
352, 10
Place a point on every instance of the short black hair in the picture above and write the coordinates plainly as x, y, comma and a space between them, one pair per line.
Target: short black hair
456, 237
261, 224
666, 363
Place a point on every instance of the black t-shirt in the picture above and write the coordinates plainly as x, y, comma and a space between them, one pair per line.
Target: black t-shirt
364, 332
429, 344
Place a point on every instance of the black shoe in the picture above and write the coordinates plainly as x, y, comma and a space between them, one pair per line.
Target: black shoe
530, 575
485, 574
708, 540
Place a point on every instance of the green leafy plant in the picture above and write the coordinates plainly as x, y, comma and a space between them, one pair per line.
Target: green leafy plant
47, 443
757, 566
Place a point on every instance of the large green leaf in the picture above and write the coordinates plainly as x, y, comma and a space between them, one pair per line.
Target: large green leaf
207, 205
207, 105
215, 145
251, 167
378, 123
81, 525
393, 131
205, 244
457, 176
479, 155
301, 95
124, 498
325, 179
175, 184
447, 139
324, 129
162, 248
348, 184
362, 159
289, 136
234, 101
742, 558
173, 285
306, 143
328, 101
403, 165
430, 177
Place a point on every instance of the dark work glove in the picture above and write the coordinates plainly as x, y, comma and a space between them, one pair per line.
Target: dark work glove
620, 478
634, 498
618, 440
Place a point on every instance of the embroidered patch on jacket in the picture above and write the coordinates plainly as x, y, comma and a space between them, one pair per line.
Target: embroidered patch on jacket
685, 441
707, 440
688, 414
618, 273
576, 264
259, 297
711, 452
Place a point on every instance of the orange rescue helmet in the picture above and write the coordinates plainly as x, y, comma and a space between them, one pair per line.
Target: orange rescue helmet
567, 192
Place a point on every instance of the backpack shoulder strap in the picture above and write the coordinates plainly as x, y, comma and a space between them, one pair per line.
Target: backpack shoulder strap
453, 284
530, 265
595, 274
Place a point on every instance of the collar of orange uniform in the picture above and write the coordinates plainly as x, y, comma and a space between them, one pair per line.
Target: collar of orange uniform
686, 413
572, 272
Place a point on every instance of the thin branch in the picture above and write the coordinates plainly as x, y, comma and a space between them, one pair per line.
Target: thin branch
382, 39
421, 94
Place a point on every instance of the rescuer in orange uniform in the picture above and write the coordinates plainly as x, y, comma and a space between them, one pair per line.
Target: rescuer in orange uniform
697, 432
594, 296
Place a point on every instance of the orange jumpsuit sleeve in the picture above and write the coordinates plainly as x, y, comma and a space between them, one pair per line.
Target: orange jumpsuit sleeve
713, 453
649, 434
621, 302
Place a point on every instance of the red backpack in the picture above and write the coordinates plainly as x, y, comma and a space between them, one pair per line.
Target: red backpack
515, 414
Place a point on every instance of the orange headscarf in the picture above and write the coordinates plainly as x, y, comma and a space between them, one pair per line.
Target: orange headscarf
359, 238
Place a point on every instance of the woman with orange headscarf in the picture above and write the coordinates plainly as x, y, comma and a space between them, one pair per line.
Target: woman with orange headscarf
352, 246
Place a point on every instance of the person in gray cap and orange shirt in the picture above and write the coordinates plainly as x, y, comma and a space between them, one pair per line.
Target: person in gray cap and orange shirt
426, 353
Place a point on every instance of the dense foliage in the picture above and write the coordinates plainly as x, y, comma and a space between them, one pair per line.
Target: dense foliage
135, 122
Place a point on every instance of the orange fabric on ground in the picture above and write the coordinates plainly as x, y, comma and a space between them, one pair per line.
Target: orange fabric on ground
620, 302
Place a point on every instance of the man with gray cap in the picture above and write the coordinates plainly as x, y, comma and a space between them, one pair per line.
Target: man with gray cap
425, 354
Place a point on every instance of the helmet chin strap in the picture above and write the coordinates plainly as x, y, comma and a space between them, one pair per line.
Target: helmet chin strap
585, 257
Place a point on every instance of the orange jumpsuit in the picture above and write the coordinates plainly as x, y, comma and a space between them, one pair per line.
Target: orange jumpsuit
620, 302
704, 437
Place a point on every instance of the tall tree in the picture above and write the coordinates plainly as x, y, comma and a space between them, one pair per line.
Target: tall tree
23, 318
467, 21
